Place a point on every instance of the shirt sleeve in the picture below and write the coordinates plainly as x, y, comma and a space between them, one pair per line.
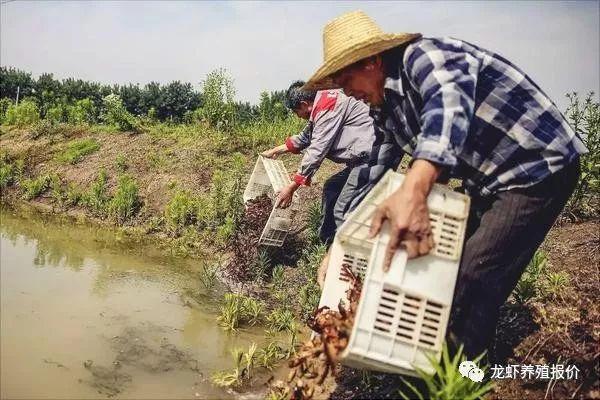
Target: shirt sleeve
446, 77
327, 124
295, 144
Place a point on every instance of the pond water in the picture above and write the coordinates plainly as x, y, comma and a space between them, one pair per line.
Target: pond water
90, 313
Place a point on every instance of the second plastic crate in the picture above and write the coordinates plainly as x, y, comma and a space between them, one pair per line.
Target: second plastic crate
402, 314
268, 178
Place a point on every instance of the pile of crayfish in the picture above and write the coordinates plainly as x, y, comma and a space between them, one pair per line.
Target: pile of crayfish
318, 357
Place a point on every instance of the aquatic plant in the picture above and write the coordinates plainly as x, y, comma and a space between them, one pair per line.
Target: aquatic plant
281, 320
237, 310
447, 383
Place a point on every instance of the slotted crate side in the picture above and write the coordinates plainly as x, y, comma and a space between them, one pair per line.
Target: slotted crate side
259, 183
268, 177
398, 325
334, 289
404, 318
277, 173
277, 228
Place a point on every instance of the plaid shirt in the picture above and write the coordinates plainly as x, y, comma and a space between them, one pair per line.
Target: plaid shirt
470, 110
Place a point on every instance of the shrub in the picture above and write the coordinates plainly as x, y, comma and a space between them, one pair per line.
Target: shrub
7, 171
585, 120
121, 163
310, 294
32, 188
82, 112
116, 114
6, 175
23, 114
180, 211
218, 108
244, 366
5, 103
97, 198
57, 113
281, 320
126, 202
76, 150
556, 282
73, 195
56, 190
208, 275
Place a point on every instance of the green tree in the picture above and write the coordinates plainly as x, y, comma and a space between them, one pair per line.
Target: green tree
11, 79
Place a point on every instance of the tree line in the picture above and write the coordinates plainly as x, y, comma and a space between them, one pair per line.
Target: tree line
173, 102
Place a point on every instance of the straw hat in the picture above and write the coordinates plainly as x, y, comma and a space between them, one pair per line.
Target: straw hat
348, 39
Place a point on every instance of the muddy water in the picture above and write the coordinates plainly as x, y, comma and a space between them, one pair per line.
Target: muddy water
87, 313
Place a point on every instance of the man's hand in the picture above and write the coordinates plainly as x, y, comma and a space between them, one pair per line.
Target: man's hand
406, 210
285, 196
274, 152
323, 270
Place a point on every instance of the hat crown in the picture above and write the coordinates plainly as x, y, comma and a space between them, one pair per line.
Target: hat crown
346, 31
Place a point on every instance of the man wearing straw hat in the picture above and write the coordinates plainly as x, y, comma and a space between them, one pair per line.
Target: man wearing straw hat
463, 110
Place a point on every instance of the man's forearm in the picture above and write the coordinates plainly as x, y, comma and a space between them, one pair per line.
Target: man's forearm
421, 177
281, 149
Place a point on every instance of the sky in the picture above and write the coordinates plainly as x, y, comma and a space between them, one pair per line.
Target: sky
267, 45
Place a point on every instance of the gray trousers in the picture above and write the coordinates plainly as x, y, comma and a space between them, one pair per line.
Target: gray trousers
343, 191
503, 232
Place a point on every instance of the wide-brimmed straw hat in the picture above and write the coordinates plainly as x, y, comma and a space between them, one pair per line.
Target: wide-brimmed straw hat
348, 39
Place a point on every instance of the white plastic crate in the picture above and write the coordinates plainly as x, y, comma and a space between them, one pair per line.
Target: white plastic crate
269, 177
402, 314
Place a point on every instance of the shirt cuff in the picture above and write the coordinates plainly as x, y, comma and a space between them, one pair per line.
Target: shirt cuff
301, 180
289, 143
432, 150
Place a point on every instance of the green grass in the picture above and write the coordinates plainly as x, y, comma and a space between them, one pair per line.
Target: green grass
76, 150
530, 284
32, 188
447, 383
180, 211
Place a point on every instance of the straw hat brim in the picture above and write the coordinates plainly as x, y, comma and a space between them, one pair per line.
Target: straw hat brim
375, 45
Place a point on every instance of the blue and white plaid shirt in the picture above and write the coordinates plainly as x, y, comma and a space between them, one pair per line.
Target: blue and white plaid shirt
470, 110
